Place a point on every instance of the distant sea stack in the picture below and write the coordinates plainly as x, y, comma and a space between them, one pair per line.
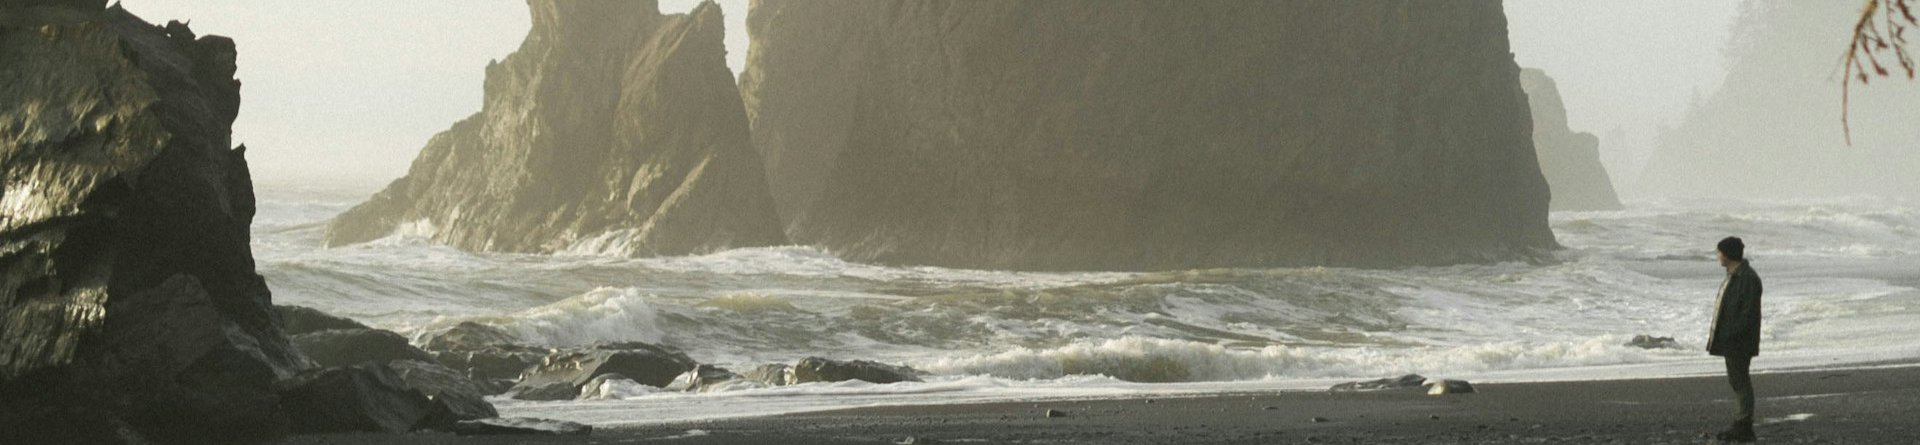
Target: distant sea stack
1772, 130
129, 306
612, 129
1146, 134
1570, 159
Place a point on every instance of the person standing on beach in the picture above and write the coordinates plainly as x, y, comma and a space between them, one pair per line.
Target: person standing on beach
1735, 334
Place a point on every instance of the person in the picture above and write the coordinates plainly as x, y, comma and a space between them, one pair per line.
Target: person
1735, 334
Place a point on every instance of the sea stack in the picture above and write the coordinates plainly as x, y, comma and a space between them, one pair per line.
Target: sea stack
1569, 159
1146, 134
613, 129
130, 311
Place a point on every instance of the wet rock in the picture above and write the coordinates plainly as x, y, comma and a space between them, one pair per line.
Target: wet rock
614, 387
1570, 160
1449, 386
496, 366
1652, 342
470, 336
705, 378
127, 283
1054, 413
613, 128
648, 364
458, 397
774, 374
298, 320
344, 347
521, 426
884, 143
1408, 381
368, 397
544, 391
816, 369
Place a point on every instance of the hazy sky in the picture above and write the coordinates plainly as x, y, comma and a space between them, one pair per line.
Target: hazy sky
351, 89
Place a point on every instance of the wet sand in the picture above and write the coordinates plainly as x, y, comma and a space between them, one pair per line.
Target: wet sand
1863, 406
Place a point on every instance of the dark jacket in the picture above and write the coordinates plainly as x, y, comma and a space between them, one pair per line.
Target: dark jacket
1736, 328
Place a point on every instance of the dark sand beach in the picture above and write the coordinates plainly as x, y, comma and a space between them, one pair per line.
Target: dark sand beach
1854, 406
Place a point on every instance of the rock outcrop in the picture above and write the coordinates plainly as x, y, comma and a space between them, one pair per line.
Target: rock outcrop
346, 347
129, 306
1569, 159
612, 129
562, 374
1144, 135
816, 369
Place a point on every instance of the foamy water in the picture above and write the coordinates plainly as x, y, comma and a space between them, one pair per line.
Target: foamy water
1840, 279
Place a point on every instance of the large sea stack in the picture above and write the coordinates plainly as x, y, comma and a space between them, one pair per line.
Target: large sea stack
129, 306
1570, 159
612, 129
1146, 134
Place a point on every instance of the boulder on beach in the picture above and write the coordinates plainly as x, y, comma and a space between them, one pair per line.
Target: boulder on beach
343, 347
612, 129
816, 369
497, 367
1449, 386
469, 336
368, 397
1409, 381
521, 426
707, 378
772, 374
569, 370
607, 387
456, 396
1652, 342
298, 320
130, 309
1146, 134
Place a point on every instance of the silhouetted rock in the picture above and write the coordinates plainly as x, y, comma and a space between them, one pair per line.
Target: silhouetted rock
816, 369
612, 129
296, 320
367, 397
458, 397
470, 336
1652, 342
644, 363
1569, 159
521, 426
1408, 381
129, 305
1146, 134
342, 347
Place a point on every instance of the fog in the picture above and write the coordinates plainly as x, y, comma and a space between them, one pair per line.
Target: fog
346, 93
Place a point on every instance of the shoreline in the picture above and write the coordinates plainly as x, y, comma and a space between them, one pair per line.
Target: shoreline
1844, 405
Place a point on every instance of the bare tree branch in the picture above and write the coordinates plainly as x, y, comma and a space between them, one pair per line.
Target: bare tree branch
1881, 32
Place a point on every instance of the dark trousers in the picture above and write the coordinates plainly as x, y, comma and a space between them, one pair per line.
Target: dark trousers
1742, 383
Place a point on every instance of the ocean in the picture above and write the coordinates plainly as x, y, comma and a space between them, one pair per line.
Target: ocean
1840, 274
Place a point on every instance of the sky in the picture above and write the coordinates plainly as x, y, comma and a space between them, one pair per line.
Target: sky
347, 91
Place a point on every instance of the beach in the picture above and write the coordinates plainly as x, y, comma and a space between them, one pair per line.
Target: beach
1871, 405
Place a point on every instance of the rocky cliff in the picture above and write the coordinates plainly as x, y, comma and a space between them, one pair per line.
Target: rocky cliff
1569, 159
1146, 134
613, 128
129, 306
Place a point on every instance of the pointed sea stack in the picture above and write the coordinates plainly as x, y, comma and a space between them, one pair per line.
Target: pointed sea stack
1146, 134
1569, 159
612, 129
130, 311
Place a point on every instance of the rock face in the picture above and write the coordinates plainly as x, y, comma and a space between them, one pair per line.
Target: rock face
129, 306
368, 397
612, 129
301, 320
815, 369
1569, 159
565, 372
1142, 134
344, 347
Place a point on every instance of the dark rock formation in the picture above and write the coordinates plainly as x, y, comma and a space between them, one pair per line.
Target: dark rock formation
1408, 381
470, 336
458, 397
1145, 134
1569, 159
368, 398
816, 369
613, 129
1652, 342
343, 347
521, 426
570, 370
298, 320
1449, 386
129, 306
495, 366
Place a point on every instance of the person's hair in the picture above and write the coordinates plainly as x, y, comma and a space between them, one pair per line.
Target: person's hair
1734, 249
